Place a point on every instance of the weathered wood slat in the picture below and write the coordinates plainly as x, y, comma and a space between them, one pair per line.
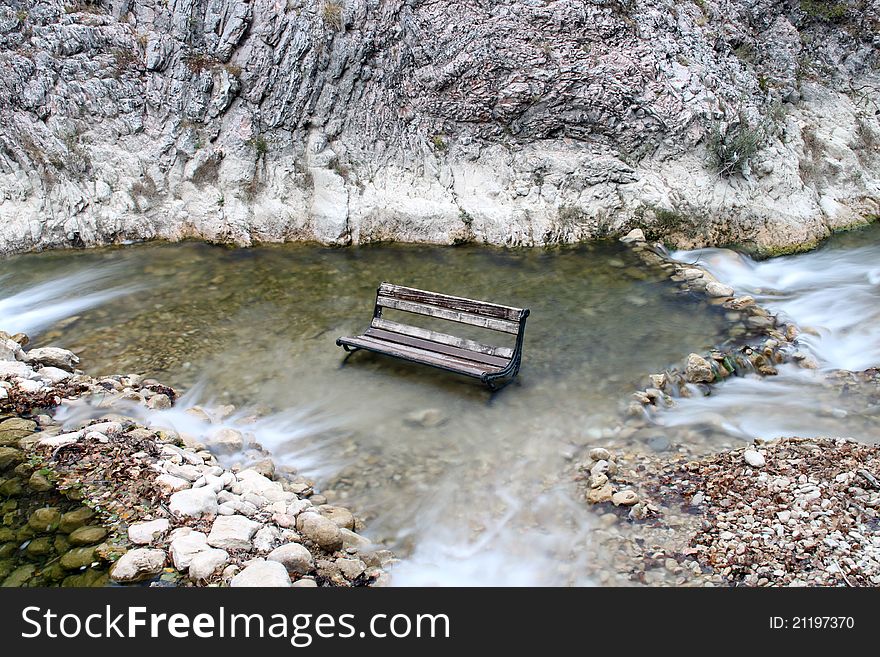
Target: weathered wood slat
460, 304
406, 340
442, 338
460, 365
452, 315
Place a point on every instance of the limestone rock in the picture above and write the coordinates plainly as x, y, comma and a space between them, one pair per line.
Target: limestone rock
699, 370
262, 573
320, 530
232, 532
294, 557
138, 565
52, 357
144, 533
207, 563
194, 502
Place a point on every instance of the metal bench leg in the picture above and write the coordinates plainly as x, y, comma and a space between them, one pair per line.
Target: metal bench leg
349, 350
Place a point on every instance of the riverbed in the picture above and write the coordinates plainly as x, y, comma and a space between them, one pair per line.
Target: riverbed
467, 487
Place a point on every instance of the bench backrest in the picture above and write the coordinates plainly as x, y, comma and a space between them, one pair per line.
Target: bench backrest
486, 315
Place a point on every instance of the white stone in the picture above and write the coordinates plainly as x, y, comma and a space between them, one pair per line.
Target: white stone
226, 441
754, 458
350, 567
9, 369
253, 482
232, 533
625, 498
187, 471
319, 530
185, 546
340, 516
294, 556
60, 440
29, 386
144, 533
207, 563
266, 538
53, 375
107, 428
52, 357
169, 484
10, 350
194, 502
716, 289
352, 540
262, 573
633, 236
138, 565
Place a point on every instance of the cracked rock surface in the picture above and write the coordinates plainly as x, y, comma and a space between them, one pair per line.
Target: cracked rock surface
509, 122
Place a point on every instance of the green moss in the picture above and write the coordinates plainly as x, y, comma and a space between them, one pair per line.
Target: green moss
833, 12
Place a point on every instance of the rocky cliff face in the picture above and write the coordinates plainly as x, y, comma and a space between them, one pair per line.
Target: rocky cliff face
510, 122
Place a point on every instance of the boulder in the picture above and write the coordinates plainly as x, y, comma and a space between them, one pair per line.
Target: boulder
261, 573
232, 532
144, 533
207, 563
87, 535
341, 517
294, 557
74, 519
194, 502
320, 530
698, 370
185, 546
52, 357
138, 565
46, 519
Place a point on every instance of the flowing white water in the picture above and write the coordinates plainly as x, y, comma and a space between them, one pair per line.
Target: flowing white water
833, 296
34, 308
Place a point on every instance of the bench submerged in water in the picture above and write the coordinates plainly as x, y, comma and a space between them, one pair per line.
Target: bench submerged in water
493, 365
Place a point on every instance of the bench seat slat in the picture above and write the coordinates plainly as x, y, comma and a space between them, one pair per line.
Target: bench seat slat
388, 336
503, 325
449, 302
443, 361
442, 338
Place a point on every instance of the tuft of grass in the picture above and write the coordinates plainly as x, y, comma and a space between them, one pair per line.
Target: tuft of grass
731, 146
438, 141
332, 14
197, 62
88, 6
260, 145
125, 59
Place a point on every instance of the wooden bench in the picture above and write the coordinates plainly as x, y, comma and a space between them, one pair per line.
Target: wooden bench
493, 365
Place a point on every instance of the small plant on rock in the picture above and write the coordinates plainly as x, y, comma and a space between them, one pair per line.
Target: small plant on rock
332, 14
732, 145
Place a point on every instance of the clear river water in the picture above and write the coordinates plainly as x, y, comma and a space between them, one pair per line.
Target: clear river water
466, 487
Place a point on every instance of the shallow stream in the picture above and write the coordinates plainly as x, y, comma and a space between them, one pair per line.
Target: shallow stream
467, 487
